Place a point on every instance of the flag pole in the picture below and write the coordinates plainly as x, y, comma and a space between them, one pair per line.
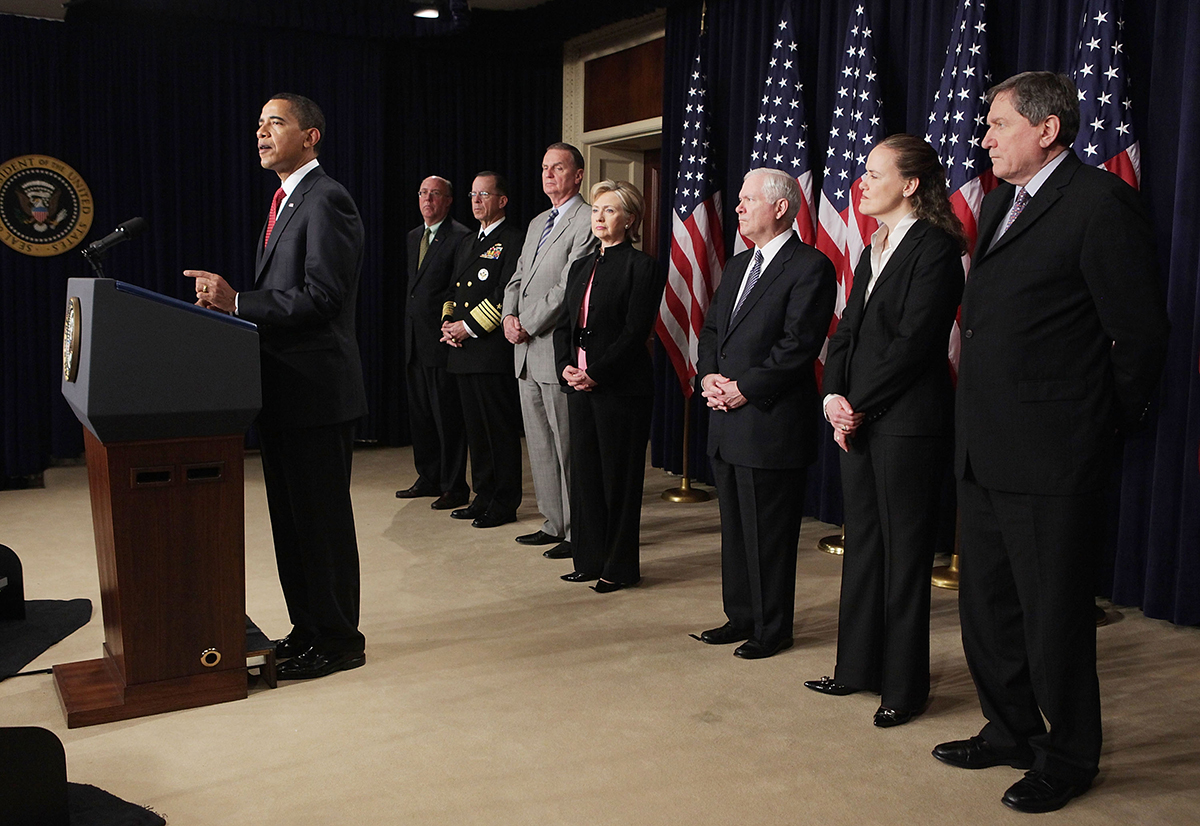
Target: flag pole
685, 493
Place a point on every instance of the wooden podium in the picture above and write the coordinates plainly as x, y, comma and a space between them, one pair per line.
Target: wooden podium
165, 391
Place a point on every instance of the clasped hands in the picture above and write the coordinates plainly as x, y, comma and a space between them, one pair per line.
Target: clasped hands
721, 392
577, 379
513, 331
845, 421
454, 333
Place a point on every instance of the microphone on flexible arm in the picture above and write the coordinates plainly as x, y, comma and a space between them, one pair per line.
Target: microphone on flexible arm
95, 251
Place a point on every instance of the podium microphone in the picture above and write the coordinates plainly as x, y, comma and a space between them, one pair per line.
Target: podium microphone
130, 229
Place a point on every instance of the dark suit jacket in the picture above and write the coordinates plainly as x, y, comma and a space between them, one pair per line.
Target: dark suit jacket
481, 272
1064, 334
889, 357
304, 300
769, 350
430, 286
625, 298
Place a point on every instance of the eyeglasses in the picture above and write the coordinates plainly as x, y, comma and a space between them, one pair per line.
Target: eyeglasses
436, 193
483, 196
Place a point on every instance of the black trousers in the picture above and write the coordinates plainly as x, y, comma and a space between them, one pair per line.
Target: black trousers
1027, 572
492, 414
435, 419
307, 475
608, 472
891, 489
760, 529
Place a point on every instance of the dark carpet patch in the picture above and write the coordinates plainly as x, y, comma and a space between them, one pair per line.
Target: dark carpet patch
90, 806
47, 621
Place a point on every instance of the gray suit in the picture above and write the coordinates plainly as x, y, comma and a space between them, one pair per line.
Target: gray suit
535, 297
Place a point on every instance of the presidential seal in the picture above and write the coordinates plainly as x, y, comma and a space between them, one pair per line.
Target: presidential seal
71, 339
45, 206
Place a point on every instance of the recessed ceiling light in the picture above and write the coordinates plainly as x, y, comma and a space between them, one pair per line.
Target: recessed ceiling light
428, 11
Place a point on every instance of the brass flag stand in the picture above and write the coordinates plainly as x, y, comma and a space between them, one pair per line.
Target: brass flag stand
833, 544
946, 576
685, 493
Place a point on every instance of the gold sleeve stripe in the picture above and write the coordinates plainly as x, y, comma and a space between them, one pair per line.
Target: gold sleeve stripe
486, 315
448, 310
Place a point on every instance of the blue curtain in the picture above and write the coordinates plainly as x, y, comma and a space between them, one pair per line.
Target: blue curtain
157, 113
1155, 555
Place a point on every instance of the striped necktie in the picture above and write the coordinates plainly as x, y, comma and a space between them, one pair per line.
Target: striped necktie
755, 272
546, 231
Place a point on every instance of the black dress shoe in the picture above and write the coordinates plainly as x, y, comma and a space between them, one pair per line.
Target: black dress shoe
603, 587
725, 635
977, 753
314, 663
469, 512
576, 576
289, 647
887, 717
418, 490
562, 550
1039, 792
538, 538
755, 650
448, 501
492, 519
826, 685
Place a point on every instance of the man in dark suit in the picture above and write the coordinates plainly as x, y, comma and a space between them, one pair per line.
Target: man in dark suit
1064, 336
303, 301
763, 332
481, 357
434, 411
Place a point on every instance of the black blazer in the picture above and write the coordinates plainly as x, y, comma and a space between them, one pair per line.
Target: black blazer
769, 350
481, 272
430, 286
889, 357
304, 299
625, 299
1064, 334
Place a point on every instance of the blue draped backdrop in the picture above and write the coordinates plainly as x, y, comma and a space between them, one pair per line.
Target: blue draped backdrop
156, 111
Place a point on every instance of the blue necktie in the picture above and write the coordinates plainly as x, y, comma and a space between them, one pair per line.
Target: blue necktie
755, 272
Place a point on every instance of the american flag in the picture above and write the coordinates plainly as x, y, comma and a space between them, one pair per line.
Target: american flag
697, 245
957, 125
781, 134
1105, 126
843, 233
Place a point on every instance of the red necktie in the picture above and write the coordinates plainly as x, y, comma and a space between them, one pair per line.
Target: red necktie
275, 202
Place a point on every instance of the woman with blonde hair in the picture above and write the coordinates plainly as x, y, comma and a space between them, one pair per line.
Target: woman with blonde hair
612, 299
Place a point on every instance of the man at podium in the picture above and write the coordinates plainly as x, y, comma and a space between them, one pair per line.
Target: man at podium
303, 301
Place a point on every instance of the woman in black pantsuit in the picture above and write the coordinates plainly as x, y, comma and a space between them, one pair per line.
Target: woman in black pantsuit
612, 299
890, 402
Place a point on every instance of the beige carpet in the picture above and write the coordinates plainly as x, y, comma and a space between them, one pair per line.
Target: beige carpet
494, 693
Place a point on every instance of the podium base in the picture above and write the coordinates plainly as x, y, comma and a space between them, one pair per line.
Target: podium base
92, 692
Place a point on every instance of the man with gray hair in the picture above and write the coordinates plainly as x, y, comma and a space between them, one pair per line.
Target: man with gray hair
764, 329
532, 303
1064, 337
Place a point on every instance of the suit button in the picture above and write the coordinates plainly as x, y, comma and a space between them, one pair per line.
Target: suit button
468, 283
722, 354
969, 333
458, 283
